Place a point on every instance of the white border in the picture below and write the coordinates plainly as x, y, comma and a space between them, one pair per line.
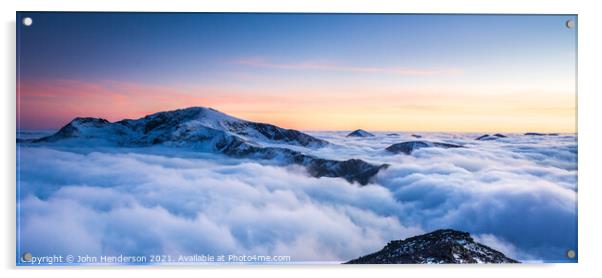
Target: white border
589, 133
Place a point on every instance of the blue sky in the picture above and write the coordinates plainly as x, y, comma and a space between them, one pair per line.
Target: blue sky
246, 55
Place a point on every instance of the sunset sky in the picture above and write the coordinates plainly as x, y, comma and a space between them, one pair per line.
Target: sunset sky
478, 73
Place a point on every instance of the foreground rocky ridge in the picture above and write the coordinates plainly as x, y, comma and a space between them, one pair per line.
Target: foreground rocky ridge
439, 247
208, 130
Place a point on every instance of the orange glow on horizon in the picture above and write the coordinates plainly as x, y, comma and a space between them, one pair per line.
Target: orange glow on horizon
52, 104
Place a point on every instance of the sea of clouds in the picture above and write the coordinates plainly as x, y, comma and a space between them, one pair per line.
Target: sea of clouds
516, 194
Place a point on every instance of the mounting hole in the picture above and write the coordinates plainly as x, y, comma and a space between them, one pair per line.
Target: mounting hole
571, 254
27, 21
26, 257
570, 24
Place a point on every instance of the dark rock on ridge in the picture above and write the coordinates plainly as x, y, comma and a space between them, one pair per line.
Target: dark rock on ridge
410, 146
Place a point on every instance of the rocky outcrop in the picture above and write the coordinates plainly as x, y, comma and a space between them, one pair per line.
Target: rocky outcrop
410, 146
438, 247
488, 137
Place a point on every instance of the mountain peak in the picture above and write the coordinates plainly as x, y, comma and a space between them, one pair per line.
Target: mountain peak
208, 116
488, 137
195, 110
441, 246
360, 133
90, 120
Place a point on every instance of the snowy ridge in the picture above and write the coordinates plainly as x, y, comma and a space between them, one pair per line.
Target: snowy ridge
439, 247
208, 130
183, 126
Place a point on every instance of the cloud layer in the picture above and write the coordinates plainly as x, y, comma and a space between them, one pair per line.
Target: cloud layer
517, 194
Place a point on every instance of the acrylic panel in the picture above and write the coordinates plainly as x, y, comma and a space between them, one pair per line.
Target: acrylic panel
277, 138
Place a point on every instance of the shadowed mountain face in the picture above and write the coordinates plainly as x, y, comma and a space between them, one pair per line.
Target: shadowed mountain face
440, 247
208, 130
410, 146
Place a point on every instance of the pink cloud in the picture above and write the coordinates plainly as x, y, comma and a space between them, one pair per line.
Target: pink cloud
330, 66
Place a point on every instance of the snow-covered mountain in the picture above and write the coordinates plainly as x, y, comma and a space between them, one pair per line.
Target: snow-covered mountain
410, 146
208, 130
360, 133
180, 126
439, 247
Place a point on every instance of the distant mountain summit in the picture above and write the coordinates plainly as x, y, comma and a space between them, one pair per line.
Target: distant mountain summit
440, 247
488, 137
541, 134
208, 130
360, 133
410, 146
